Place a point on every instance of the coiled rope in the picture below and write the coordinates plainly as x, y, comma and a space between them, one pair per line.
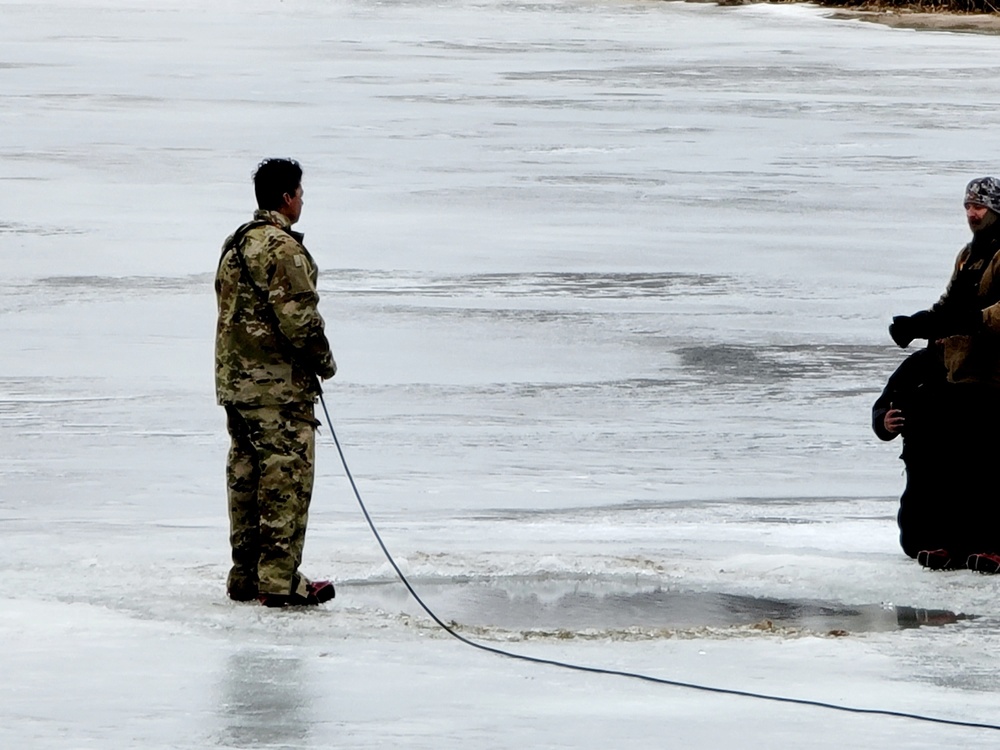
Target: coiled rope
620, 673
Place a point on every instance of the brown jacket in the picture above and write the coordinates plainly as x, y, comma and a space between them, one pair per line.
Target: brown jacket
975, 282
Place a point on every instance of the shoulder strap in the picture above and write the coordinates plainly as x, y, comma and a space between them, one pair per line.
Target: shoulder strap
234, 244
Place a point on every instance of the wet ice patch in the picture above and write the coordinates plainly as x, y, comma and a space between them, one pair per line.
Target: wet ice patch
763, 365
592, 285
566, 607
15, 228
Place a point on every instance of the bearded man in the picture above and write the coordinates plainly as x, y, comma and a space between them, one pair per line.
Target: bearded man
965, 326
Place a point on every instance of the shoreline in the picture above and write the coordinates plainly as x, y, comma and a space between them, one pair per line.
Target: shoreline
902, 18
897, 17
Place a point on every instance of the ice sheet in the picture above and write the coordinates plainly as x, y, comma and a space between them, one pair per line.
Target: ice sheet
608, 285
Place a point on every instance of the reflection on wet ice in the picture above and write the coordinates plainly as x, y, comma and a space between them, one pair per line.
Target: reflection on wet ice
263, 701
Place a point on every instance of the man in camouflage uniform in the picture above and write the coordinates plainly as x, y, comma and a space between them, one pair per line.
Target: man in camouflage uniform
270, 352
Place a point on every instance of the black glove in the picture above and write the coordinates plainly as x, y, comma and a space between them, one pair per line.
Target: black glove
921, 325
901, 330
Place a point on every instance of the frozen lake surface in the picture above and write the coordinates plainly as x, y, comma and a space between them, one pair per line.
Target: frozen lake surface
608, 284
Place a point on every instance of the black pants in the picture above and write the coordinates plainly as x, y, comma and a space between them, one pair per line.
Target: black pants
952, 454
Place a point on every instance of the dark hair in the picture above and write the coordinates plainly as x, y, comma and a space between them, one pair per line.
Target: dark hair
274, 178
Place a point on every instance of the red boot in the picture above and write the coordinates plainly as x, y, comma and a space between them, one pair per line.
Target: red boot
938, 559
984, 562
317, 592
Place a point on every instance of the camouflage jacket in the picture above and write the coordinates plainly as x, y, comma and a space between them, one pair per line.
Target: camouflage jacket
270, 345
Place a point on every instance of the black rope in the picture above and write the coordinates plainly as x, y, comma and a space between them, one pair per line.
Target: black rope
619, 673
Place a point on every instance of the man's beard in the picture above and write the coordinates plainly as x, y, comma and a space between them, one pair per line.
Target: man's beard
987, 221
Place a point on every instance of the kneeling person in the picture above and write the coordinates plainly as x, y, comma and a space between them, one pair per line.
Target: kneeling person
914, 404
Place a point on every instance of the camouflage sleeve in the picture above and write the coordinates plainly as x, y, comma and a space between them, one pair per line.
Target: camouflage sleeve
287, 274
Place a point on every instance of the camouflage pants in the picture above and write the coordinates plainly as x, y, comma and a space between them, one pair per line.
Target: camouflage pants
269, 477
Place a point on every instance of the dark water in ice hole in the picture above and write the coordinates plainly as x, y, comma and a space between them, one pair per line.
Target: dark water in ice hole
526, 603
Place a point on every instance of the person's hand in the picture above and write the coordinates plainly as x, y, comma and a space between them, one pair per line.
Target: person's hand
322, 364
893, 421
327, 368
